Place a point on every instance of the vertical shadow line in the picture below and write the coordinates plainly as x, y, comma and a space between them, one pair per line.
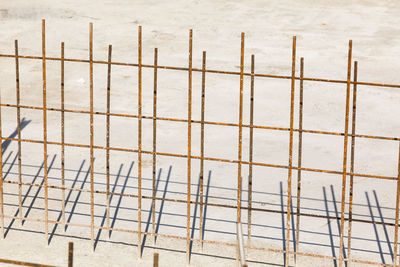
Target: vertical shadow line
66, 202
106, 212
120, 198
329, 227
378, 241
163, 201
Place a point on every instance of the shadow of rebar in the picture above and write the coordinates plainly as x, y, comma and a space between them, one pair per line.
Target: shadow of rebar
120, 199
283, 223
7, 142
66, 201
194, 218
293, 227
378, 241
11, 166
205, 204
329, 226
39, 188
36, 196
27, 194
151, 210
105, 212
77, 197
338, 220
384, 226
160, 211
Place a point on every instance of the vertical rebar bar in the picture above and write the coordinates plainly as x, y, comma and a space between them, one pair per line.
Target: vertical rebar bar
239, 178
91, 136
45, 131
1, 179
153, 202
239, 233
108, 137
239, 181
353, 140
250, 185
203, 99
289, 200
396, 221
70, 254
155, 259
346, 133
140, 142
189, 148
62, 137
18, 98
300, 150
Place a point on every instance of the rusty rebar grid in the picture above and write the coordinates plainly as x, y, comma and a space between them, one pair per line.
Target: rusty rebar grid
190, 156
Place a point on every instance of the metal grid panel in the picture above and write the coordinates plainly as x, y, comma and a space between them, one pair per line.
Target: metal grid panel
349, 135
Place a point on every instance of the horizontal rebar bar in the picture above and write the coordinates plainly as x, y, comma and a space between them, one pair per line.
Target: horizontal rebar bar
389, 138
206, 158
288, 77
24, 263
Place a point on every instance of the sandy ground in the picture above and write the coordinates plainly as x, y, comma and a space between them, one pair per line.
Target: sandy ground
322, 28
